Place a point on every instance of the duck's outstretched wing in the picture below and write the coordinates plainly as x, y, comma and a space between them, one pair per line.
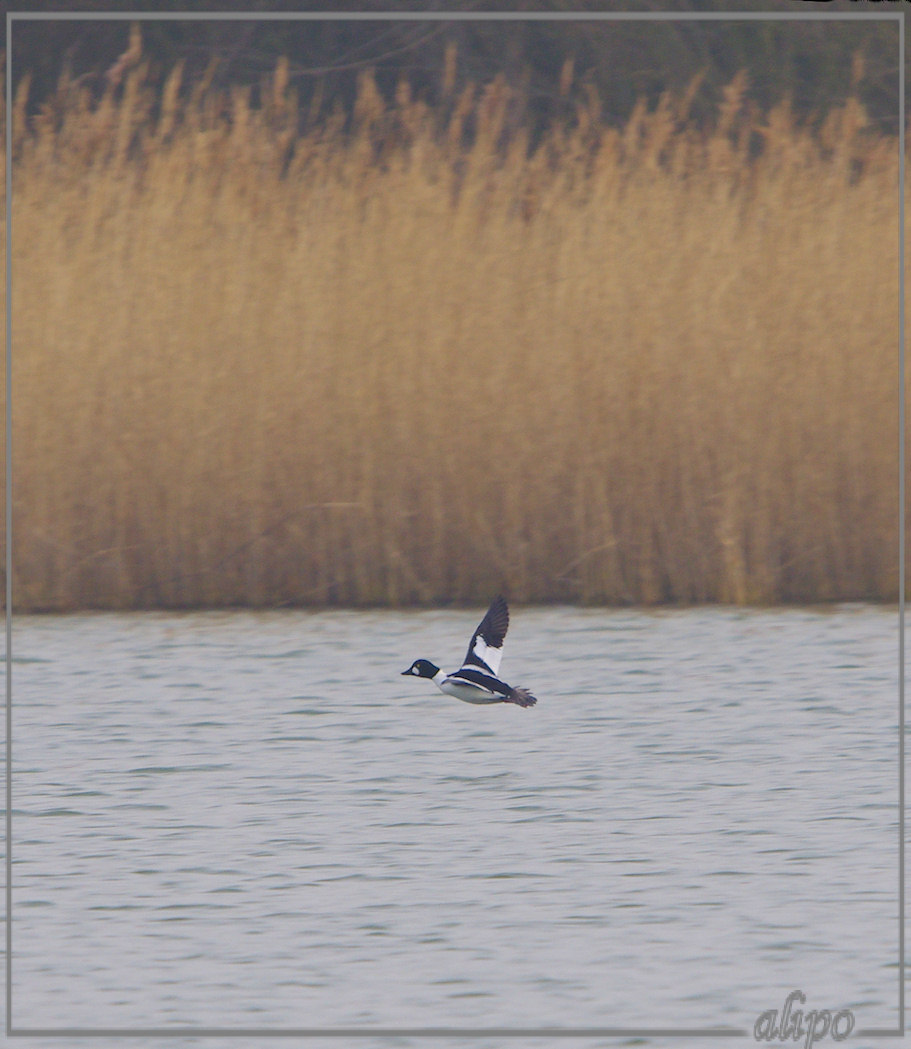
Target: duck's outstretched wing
485, 650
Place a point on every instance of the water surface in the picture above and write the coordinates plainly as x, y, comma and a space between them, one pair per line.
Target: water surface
252, 819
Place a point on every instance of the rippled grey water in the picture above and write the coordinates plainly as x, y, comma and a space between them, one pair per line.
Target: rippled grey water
252, 819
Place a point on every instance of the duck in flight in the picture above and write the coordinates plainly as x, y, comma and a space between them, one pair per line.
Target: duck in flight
476, 680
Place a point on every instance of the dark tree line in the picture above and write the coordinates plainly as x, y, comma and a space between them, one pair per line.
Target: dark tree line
809, 62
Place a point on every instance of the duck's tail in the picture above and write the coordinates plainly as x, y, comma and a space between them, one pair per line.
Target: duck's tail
521, 697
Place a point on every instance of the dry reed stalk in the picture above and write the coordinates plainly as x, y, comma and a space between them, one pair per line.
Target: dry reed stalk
379, 366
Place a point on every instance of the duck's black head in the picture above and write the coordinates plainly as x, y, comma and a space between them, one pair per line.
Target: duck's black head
421, 668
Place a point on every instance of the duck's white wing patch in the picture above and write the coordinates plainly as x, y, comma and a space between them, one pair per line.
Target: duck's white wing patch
484, 656
485, 650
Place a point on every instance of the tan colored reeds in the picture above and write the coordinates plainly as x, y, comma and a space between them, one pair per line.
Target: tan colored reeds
415, 360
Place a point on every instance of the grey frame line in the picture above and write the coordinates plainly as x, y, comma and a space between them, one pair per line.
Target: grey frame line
454, 16
901, 526
445, 16
8, 517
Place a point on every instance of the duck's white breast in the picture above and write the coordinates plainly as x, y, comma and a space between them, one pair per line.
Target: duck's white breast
468, 693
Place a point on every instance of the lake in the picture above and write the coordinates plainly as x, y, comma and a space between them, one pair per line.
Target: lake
252, 820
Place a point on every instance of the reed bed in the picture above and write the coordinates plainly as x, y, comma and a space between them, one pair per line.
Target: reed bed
267, 358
